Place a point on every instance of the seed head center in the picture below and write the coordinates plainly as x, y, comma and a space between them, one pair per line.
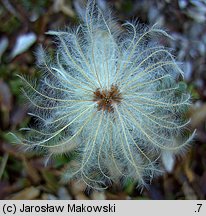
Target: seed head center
106, 99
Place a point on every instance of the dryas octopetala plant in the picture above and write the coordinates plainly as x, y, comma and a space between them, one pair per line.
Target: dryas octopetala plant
111, 94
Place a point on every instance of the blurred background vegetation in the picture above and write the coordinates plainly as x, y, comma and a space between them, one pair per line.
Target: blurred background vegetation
23, 24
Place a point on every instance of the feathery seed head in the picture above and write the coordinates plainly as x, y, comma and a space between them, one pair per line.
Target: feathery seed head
111, 94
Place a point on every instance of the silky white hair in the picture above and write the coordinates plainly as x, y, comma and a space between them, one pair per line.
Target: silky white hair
110, 146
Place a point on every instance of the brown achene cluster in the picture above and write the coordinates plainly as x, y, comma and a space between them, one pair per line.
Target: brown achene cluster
107, 98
